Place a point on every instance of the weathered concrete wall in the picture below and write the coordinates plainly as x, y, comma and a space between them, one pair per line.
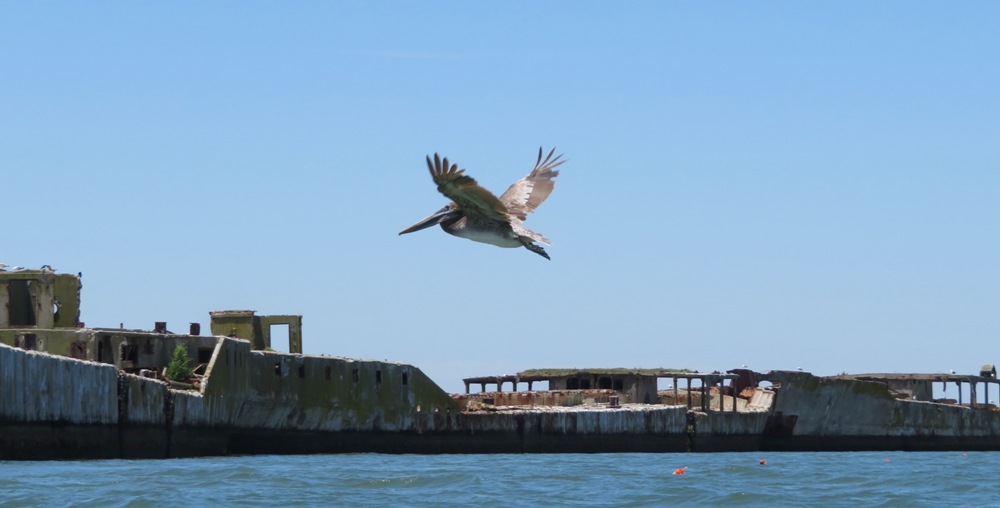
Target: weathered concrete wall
57, 342
715, 431
145, 400
728, 423
912, 388
839, 408
624, 420
255, 389
36, 387
242, 389
260, 402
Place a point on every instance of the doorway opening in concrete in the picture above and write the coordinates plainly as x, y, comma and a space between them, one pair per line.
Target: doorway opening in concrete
19, 306
279, 337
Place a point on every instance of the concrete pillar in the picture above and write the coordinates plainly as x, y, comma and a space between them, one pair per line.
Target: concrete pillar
4, 303
295, 335
42, 298
736, 391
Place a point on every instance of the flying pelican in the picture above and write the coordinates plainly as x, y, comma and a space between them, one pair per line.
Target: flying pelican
476, 214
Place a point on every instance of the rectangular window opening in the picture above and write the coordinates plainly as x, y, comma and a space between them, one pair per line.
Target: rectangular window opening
326, 372
406, 378
355, 375
378, 377
130, 353
277, 369
302, 371
78, 350
26, 341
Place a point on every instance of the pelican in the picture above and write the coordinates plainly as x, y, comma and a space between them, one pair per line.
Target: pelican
476, 214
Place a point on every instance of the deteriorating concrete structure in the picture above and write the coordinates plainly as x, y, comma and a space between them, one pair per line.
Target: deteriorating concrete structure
68, 391
245, 324
632, 385
875, 412
39, 298
72, 392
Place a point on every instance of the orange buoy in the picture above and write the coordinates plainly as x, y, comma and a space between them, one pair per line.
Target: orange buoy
763, 462
680, 470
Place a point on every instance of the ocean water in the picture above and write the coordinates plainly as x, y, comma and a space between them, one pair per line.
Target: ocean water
710, 479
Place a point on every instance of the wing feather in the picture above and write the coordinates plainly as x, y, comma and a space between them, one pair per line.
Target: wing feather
528, 193
474, 200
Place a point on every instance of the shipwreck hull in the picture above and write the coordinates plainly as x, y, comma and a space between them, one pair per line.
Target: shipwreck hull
251, 402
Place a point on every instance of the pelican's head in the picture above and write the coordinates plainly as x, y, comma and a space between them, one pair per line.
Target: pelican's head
450, 212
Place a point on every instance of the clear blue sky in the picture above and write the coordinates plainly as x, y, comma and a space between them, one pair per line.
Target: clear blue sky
780, 185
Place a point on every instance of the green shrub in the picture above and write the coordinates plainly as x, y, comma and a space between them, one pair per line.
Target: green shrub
178, 369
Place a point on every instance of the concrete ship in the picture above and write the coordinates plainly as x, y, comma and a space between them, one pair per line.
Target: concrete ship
68, 391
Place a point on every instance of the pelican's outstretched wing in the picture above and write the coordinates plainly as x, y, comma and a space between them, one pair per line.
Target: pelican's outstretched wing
529, 192
474, 200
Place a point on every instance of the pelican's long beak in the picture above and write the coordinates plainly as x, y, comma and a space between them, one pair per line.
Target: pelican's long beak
436, 218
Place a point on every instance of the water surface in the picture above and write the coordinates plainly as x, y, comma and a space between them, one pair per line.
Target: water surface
722, 479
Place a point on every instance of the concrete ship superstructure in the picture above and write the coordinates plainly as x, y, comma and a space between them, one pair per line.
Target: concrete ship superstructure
69, 391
